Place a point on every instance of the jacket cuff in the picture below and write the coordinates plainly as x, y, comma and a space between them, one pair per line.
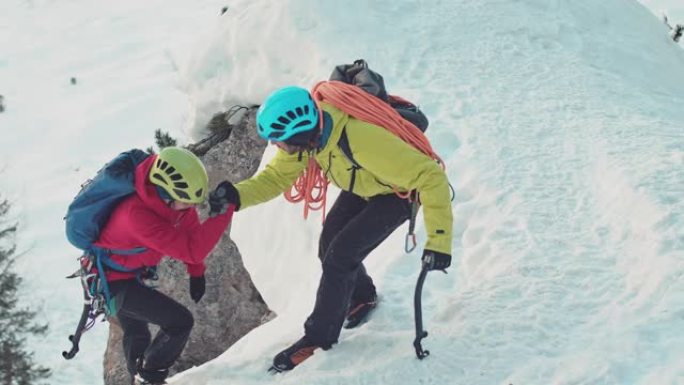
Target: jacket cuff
196, 270
437, 253
233, 196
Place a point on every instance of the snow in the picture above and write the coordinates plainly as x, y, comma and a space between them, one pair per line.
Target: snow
674, 10
560, 123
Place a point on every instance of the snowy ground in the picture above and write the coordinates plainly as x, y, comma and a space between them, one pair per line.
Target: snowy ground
560, 123
673, 9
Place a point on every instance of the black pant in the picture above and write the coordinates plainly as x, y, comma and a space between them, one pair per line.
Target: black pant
140, 305
353, 228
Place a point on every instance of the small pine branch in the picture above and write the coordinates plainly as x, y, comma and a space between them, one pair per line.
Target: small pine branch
163, 139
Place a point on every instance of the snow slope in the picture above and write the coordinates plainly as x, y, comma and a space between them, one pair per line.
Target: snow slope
560, 123
561, 126
674, 10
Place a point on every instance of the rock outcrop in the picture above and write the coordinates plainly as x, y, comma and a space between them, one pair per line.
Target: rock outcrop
231, 306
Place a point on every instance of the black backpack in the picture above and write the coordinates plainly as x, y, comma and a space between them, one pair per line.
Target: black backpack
358, 74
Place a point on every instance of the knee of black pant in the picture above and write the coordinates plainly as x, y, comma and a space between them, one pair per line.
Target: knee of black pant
336, 263
187, 321
183, 323
136, 337
135, 334
324, 246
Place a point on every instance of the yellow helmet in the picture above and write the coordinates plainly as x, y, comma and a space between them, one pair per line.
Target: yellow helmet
181, 174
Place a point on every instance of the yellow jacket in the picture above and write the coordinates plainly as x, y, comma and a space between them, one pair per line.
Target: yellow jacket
386, 161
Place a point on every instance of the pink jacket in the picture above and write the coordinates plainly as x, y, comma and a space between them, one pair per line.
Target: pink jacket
144, 220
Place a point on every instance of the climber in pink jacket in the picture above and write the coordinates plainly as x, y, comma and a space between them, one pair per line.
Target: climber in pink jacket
161, 218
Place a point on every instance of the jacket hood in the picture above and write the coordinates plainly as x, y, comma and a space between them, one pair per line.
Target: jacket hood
147, 191
335, 120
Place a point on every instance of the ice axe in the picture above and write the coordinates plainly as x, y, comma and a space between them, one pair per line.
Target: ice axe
428, 263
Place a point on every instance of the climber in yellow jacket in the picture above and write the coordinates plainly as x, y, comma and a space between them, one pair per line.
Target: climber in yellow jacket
366, 212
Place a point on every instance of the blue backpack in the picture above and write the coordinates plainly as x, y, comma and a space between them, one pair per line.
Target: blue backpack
87, 214
91, 209
92, 206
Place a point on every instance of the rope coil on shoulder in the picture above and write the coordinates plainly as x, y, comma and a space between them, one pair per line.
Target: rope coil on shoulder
311, 186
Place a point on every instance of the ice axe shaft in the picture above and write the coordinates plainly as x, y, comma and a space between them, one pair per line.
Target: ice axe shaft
76, 337
420, 333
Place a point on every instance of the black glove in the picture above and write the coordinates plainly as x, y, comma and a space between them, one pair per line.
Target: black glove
219, 199
197, 287
435, 260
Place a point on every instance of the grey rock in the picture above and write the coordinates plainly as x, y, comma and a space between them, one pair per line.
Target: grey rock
231, 306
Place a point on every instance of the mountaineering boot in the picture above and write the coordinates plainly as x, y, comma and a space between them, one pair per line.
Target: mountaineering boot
149, 377
295, 355
359, 311
140, 381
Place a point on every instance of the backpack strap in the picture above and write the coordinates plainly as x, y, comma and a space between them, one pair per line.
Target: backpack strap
103, 261
108, 262
343, 143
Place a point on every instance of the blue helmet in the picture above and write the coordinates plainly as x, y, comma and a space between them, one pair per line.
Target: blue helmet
285, 113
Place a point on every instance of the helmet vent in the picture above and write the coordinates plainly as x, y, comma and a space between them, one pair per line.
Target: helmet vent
299, 111
159, 177
170, 171
291, 115
277, 126
303, 123
180, 184
182, 194
176, 177
198, 193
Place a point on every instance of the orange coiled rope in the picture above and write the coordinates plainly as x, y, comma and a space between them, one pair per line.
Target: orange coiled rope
312, 184
311, 187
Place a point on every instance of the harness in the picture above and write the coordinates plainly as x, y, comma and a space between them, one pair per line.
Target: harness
95, 263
